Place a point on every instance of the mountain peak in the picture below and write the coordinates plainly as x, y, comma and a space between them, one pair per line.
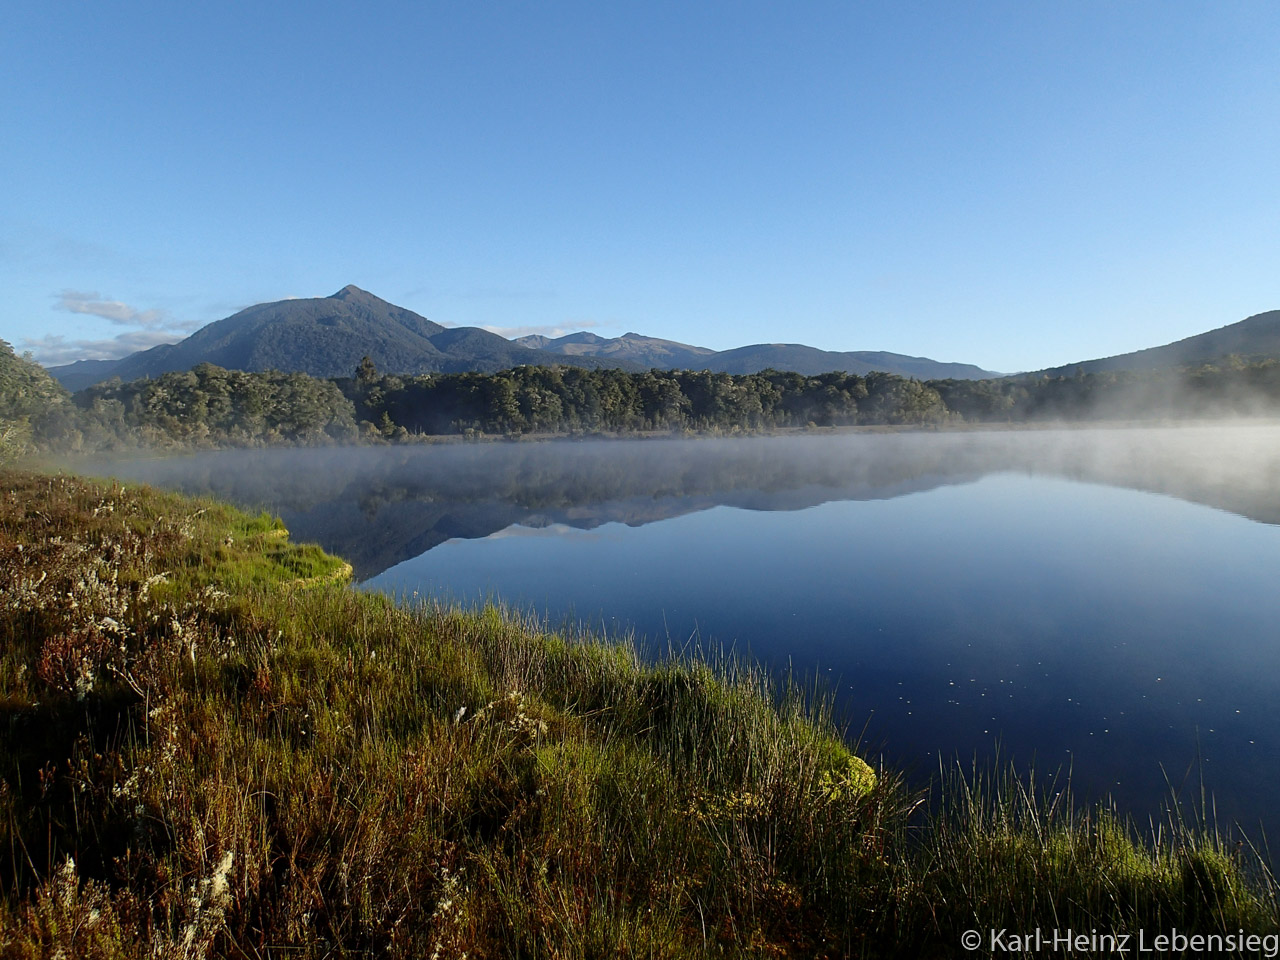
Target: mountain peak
352, 292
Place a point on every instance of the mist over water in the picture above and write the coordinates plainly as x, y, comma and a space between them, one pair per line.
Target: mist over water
1099, 600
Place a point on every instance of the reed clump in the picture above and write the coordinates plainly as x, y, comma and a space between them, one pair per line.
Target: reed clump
214, 747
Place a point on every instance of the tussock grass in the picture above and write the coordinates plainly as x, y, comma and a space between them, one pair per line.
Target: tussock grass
213, 748
1004, 851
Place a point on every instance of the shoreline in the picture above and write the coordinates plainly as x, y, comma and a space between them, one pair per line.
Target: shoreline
70, 460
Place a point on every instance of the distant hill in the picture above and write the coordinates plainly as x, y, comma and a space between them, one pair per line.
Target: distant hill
324, 337
1256, 336
328, 336
648, 352
798, 358
645, 352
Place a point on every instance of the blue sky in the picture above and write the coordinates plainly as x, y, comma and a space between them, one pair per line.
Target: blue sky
1009, 184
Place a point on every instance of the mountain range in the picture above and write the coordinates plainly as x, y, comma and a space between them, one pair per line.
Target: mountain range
328, 336
649, 352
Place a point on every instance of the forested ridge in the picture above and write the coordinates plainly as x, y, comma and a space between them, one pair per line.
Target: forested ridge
212, 407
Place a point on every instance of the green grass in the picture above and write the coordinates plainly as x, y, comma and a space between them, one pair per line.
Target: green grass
215, 748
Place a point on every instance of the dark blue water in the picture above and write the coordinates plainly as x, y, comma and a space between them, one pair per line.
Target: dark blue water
1098, 603
1123, 635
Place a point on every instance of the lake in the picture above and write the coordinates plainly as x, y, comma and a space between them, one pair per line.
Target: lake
1096, 602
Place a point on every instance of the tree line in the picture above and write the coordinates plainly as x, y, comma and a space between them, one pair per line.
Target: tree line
212, 407
573, 400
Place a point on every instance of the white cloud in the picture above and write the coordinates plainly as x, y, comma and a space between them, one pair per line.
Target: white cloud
119, 312
151, 327
75, 301
54, 350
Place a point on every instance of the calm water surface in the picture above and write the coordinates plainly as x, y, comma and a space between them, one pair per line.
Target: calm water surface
1099, 602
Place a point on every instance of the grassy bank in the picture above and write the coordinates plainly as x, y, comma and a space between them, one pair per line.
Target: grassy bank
212, 746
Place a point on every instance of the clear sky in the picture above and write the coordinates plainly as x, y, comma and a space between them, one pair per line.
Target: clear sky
1012, 184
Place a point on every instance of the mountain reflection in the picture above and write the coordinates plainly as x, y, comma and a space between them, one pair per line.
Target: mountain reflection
379, 506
